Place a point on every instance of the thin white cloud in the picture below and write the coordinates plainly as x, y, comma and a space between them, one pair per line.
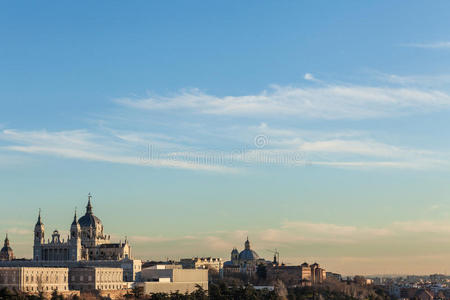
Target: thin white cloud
325, 102
380, 164
423, 226
346, 149
294, 232
433, 45
150, 239
369, 148
18, 231
289, 236
284, 147
434, 81
309, 77
81, 144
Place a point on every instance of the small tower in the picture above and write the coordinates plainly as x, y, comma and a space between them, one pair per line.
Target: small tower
235, 257
75, 240
247, 244
39, 235
89, 205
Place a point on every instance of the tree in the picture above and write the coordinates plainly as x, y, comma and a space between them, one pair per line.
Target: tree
261, 272
138, 292
280, 290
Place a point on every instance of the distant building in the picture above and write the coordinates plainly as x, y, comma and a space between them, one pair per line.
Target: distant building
6, 253
414, 293
165, 266
156, 280
245, 261
335, 276
209, 263
312, 274
152, 263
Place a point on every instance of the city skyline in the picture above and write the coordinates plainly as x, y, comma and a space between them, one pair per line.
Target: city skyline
319, 129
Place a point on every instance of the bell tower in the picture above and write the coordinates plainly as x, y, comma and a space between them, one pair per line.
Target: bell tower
75, 240
39, 234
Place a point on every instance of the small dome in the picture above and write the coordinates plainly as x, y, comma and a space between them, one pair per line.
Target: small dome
248, 254
6, 249
235, 251
6, 253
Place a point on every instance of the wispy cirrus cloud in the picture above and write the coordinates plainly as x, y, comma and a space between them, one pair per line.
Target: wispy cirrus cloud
433, 81
280, 147
18, 231
232, 144
294, 232
344, 149
432, 45
331, 102
84, 145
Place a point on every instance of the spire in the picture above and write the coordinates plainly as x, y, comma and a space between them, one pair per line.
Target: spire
247, 244
89, 206
6, 241
75, 221
39, 218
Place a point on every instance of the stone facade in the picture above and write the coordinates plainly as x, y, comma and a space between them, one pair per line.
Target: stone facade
95, 278
131, 267
210, 263
34, 280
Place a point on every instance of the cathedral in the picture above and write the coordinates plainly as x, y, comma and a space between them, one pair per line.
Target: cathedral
6, 253
86, 242
245, 261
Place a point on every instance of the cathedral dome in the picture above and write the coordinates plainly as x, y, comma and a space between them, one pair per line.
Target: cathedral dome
6, 250
89, 220
248, 254
6, 253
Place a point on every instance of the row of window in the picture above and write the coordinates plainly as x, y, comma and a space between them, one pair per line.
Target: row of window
52, 279
104, 277
100, 287
47, 288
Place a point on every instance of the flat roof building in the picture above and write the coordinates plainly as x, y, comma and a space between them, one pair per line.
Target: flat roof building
173, 280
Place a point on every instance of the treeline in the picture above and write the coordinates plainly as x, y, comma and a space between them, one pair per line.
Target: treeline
12, 294
224, 291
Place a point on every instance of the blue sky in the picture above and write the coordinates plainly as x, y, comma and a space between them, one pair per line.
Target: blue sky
317, 128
